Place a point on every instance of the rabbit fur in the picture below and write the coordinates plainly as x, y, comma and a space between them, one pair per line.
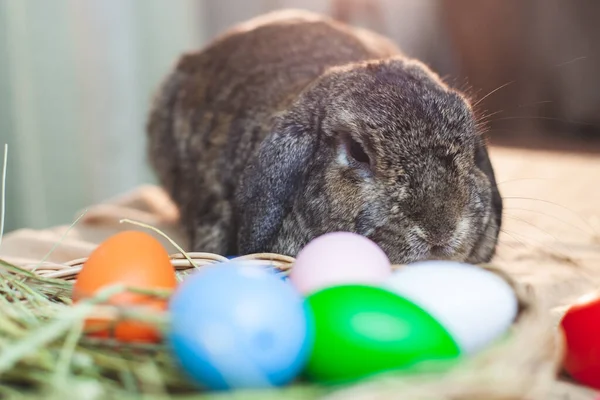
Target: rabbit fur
293, 125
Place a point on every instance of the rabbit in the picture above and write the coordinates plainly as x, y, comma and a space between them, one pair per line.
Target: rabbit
292, 125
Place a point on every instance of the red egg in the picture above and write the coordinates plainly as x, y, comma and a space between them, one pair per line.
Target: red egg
581, 330
134, 259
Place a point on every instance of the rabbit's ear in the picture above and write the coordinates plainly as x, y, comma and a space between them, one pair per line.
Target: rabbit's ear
482, 160
269, 185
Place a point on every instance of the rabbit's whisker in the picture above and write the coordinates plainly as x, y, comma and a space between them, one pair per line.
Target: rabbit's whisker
492, 92
539, 229
485, 118
534, 103
551, 251
550, 216
552, 203
504, 231
521, 179
538, 117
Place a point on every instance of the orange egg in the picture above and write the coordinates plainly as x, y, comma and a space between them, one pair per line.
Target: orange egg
135, 259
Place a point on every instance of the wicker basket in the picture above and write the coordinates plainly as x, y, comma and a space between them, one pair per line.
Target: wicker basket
68, 271
523, 367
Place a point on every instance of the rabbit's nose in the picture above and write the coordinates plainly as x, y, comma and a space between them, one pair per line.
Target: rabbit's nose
435, 237
447, 251
440, 246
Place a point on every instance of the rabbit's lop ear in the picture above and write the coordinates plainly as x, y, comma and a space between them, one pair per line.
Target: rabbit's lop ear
482, 160
269, 185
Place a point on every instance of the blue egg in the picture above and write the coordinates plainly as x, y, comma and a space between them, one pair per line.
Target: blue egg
237, 326
269, 267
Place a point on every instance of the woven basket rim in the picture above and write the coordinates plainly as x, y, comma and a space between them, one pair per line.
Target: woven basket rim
69, 270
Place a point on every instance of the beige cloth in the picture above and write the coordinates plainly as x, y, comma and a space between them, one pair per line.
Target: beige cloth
146, 204
551, 233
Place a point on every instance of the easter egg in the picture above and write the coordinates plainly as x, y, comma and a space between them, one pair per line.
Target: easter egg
339, 258
239, 326
363, 330
135, 259
475, 305
581, 330
266, 265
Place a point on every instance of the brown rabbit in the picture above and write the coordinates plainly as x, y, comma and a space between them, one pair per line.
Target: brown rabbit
293, 125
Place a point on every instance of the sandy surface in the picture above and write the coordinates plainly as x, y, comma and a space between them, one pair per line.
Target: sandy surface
551, 228
550, 239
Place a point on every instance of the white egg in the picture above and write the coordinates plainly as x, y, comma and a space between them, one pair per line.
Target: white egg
474, 305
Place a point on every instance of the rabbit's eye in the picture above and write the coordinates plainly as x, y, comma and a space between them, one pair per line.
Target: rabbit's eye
357, 152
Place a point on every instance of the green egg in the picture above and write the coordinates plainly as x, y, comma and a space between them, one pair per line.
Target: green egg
363, 330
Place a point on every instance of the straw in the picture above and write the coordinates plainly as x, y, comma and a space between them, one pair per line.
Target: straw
3, 204
43, 348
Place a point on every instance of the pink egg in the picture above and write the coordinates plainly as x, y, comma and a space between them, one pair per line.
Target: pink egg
339, 258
